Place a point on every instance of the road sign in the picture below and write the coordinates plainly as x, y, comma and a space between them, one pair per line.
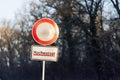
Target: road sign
45, 31
45, 53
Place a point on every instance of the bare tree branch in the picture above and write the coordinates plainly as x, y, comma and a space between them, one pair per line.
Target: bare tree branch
116, 5
88, 9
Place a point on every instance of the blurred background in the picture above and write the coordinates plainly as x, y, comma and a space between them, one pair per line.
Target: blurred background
89, 40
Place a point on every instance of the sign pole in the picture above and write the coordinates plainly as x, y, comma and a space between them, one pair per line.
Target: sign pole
43, 71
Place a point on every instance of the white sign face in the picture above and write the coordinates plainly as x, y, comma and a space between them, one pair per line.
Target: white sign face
45, 31
47, 53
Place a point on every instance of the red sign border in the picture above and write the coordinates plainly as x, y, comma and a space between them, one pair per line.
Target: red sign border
37, 39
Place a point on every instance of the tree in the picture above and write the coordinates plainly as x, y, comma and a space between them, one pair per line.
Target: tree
8, 43
116, 5
95, 49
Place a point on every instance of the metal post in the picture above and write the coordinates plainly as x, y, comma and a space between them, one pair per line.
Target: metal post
43, 71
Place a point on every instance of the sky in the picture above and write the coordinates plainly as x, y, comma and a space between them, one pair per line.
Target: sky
8, 8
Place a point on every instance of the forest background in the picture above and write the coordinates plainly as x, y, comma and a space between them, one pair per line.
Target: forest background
89, 41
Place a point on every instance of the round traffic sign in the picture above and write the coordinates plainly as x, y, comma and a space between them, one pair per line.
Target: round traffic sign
45, 31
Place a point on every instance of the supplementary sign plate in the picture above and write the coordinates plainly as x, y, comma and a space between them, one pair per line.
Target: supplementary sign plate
47, 53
